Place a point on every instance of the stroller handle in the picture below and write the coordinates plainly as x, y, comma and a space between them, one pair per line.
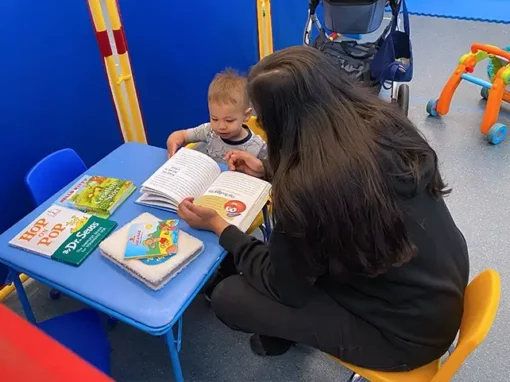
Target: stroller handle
312, 5
491, 50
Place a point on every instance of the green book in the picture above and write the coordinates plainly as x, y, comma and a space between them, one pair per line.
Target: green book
97, 195
63, 234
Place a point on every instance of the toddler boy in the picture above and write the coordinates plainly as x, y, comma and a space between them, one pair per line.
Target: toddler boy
229, 110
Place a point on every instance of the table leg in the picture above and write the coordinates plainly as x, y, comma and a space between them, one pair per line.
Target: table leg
179, 334
174, 347
22, 295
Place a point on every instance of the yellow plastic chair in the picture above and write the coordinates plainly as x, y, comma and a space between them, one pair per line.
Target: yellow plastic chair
255, 127
481, 302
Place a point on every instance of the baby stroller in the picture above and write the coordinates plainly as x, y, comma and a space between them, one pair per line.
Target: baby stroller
383, 63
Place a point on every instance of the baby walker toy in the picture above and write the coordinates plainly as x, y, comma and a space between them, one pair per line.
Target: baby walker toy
382, 63
494, 92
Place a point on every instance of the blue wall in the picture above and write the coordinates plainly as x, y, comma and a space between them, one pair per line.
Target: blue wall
53, 87
176, 47
288, 21
53, 93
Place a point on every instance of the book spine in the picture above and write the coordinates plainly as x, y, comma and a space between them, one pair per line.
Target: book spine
110, 211
124, 197
29, 250
67, 262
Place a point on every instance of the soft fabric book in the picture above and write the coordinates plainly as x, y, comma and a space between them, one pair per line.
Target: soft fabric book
156, 238
155, 272
98, 195
237, 197
63, 234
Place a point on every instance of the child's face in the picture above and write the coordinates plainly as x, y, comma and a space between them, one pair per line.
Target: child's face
227, 120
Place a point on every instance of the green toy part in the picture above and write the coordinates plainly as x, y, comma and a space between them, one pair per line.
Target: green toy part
495, 64
461, 61
480, 56
506, 76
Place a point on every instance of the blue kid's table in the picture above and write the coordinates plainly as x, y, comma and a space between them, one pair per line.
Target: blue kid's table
106, 287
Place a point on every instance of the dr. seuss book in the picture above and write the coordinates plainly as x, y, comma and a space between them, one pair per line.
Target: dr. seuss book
238, 198
98, 195
156, 238
63, 234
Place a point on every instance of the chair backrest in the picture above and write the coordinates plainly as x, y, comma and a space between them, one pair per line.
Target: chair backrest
256, 128
52, 173
481, 302
4, 271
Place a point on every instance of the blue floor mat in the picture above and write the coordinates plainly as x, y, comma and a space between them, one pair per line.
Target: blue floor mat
496, 11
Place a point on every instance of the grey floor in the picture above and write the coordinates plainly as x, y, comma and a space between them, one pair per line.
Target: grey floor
480, 176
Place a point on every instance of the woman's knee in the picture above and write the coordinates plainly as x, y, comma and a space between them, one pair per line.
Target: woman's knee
227, 299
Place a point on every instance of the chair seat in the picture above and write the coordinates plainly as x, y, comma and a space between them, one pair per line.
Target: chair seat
422, 374
481, 302
83, 333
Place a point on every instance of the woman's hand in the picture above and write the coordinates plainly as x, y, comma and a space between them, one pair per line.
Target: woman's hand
243, 161
201, 218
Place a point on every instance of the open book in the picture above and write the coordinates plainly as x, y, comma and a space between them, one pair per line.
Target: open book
237, 197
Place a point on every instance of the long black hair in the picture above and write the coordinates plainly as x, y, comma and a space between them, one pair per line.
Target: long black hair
335, 151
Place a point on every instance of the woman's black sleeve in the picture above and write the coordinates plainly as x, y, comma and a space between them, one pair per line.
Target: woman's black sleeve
283, 270
267, 174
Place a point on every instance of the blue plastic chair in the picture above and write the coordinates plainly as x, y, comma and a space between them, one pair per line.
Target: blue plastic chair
3, 274
51, 174
81, 331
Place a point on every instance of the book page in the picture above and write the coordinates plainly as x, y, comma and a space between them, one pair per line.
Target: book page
234, 196
157, 201
187, 173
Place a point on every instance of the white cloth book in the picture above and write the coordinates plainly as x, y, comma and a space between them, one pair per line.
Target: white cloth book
237, 197
155, 272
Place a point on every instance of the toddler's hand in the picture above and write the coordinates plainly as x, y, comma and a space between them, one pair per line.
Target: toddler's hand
243, 161
174, 141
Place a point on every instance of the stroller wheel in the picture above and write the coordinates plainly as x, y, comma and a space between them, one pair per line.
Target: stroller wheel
403, 98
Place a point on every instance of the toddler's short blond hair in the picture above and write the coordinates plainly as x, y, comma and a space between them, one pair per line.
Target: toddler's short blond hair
229, 87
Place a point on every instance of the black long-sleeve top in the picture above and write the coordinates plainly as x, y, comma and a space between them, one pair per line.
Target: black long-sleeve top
418, 305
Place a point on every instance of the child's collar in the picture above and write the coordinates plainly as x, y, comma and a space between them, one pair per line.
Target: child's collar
240, 142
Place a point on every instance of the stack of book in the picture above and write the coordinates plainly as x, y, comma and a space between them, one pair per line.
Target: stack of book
63, 234
73, 226
151, 250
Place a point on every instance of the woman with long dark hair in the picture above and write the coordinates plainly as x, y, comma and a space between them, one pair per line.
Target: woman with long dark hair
365, 262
